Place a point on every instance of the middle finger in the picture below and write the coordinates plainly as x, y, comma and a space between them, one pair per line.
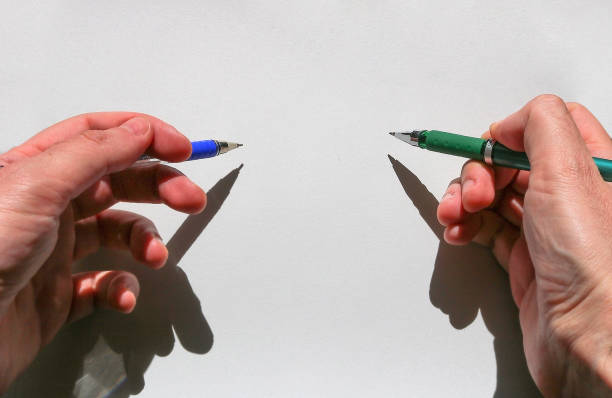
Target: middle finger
146, 184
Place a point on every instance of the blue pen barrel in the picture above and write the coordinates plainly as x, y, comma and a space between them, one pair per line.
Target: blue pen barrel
204, 149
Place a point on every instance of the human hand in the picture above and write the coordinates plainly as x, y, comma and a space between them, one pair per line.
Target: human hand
55, 191
550, 229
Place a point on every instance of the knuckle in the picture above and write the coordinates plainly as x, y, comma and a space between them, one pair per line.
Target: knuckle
548, 100
473, 168
98, 137
81, 121
15, 154
142, 225
550, 112
454, 182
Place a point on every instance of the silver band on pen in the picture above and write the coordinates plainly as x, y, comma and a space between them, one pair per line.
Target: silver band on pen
487, 156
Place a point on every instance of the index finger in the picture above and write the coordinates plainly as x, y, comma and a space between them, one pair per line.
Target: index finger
168, 144
546, 131
46, 182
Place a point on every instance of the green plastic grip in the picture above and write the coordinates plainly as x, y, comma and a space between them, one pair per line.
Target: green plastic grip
452, 144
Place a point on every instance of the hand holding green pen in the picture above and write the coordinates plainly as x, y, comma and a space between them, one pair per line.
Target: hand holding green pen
549, 228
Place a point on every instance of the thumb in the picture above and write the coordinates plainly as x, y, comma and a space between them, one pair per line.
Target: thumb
545, 130
66, 169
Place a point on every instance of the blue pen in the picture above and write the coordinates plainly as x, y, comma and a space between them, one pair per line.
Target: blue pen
200, 150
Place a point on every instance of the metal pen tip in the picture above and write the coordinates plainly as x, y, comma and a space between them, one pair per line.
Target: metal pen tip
411, 137
225, 146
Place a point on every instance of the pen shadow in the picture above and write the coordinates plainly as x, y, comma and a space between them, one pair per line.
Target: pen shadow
107, 354
467, 279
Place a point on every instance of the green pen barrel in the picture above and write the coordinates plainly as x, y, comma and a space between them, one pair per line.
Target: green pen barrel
505, 157
502, 156
473, 148
605, 168
452, 144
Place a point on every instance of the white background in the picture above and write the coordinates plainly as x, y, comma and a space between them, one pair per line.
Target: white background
317, 276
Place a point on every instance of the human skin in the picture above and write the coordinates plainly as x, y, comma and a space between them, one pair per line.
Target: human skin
550, 229
55, 191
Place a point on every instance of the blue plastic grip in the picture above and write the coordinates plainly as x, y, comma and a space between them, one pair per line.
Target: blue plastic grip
203, 149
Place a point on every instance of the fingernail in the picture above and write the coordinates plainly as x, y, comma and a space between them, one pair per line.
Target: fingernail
126, 301
123, 293
137, 126
454, 230
153, 256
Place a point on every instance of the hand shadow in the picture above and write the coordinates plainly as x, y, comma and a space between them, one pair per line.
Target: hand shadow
466, 279
107, 354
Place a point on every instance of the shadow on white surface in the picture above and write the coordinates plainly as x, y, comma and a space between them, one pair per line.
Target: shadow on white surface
107, 354
468, 279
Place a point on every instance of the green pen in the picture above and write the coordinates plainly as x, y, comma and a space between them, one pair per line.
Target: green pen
488, 151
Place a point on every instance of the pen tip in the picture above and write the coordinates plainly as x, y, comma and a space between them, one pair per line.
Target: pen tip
393, 134
238, 145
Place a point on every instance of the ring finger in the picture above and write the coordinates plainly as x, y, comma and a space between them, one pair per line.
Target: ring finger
122, 230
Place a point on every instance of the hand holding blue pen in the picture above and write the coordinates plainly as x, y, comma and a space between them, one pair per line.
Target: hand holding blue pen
55, 193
